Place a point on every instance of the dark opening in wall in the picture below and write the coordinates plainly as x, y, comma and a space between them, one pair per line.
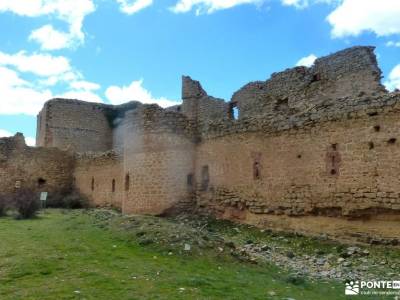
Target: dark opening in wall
41, 182
372, 113
127, 182
92, 184
178, 109
316, 77
113, 185
377, 128
233, 111
256, 170
190, 181
299, 156
333, 159
392, 140
205, 178
371, 145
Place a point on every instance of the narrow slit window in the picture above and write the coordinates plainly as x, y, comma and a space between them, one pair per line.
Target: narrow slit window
92, 184
333, 160
113, 185
205, 178
127, 182
256, 170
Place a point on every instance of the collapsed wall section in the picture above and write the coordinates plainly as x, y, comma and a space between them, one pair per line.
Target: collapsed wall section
40, 169
199, 106
335, 80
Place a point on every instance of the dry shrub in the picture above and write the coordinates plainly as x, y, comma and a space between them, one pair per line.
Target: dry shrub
26, 202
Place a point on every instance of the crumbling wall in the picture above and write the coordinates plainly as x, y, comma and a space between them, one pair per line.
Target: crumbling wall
199, 106
337, 168
352, 72
309, 143
41, 169
100, 178
158, 160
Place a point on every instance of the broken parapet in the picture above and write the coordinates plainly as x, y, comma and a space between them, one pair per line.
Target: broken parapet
192, 88
198, 105
352, 73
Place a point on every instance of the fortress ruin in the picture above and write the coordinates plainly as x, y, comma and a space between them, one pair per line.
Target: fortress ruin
314, 150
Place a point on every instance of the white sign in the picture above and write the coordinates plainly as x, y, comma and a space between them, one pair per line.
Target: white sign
43, 196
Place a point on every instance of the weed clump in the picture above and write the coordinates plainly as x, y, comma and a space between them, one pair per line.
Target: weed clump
26, 203
68, 201
3, 205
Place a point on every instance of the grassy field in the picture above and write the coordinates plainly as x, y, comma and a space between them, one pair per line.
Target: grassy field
63, 255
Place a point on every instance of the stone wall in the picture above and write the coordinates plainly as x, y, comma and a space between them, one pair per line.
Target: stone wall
40, 169
350, 73
199, 106
158, 161
100, 178
79, 126
319, 143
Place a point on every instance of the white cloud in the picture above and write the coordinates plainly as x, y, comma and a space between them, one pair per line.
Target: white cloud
85, 85
352, 17
5, 133
304, 3
209, 6
38, 64
84, 95
307, 61
393, 44
19, 96
50, 39
130, 7
30, 141
394, 79
296, 3
72, 12
135, 91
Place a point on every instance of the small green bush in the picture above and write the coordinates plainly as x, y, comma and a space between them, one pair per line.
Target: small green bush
26, 202
75, 200
3, 205
69, 201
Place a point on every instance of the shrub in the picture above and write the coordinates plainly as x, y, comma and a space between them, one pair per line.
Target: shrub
71, 201
3, 205
75, 200
26, 203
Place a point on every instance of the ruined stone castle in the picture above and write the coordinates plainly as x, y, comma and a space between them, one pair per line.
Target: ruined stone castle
315, 150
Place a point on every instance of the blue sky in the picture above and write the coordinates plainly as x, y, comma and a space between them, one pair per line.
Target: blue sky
113, 51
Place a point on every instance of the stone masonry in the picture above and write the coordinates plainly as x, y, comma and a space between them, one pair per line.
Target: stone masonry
310, 149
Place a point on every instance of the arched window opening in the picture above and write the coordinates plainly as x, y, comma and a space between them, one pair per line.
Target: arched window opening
233, 111
41, 182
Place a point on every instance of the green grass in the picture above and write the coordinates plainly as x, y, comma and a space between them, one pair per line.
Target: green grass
65, 256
